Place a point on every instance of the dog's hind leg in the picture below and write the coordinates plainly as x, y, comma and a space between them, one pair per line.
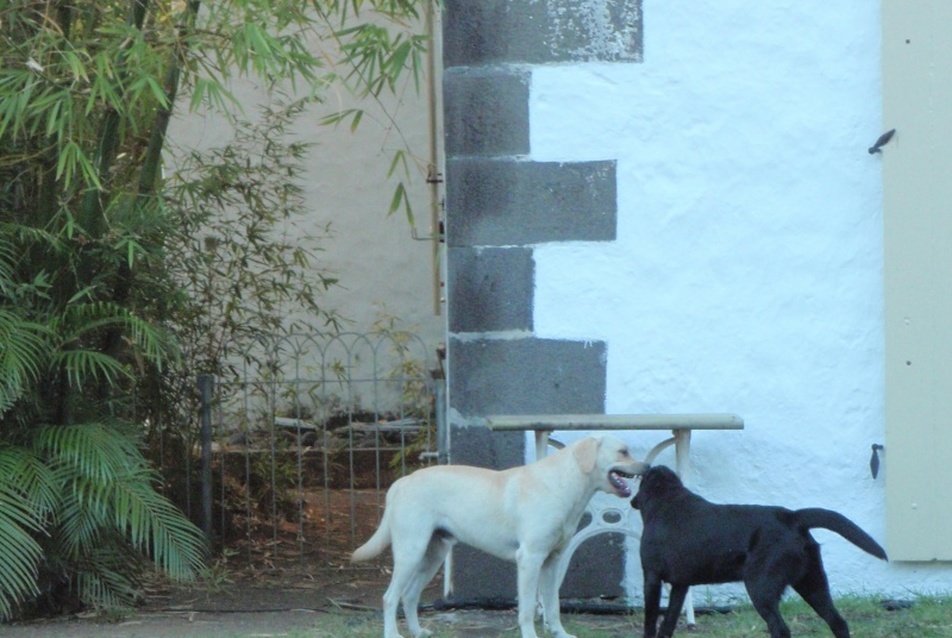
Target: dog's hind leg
409, 553
815, 590
435, 554
391, 600
775, 559
765, 590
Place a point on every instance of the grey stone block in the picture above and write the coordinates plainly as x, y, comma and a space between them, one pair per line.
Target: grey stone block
486, 112
489, 289
479, 446
493, 202
596, 571
541, 31
526, 376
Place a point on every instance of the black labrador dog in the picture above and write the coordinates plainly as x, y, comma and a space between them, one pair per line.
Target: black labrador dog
690, 541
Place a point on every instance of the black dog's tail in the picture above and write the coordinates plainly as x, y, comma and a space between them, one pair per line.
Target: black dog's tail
836, 522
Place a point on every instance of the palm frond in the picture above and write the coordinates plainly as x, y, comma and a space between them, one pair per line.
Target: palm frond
104, 578
19, 556
84, 366
24, 484
82, 520
28, 479
89, 450
108, 491
105, 588
82, 320
22, 347
158, 529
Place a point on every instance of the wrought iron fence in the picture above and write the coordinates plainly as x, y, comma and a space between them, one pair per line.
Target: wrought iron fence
293, 458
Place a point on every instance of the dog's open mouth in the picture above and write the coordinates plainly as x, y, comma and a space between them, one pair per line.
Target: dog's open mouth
618, 483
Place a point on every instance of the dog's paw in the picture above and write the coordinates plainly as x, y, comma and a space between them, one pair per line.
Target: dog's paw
423, 633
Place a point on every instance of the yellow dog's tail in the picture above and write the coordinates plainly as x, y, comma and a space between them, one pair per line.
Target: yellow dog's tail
377, 543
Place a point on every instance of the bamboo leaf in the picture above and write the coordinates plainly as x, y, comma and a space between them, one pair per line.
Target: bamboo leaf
358, 115
399, 195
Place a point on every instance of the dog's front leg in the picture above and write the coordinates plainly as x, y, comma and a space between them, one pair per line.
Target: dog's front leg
529, 567
652, 603
549, 584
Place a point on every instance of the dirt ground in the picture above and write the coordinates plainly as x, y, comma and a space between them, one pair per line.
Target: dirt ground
262, 595
263, 606
271, 599
253, 608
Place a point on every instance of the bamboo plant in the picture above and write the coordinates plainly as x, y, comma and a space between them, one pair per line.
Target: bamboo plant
87, 91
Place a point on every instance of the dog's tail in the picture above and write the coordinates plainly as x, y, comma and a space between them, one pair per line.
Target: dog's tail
376, 543
836, 522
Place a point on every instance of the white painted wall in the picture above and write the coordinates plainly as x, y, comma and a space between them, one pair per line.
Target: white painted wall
382, 270
747, 272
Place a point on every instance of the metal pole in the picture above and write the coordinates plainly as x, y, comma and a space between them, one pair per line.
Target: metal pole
434, 175
442, 426
206, 389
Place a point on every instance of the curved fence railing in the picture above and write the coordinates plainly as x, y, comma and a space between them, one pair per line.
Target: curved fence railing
290, 458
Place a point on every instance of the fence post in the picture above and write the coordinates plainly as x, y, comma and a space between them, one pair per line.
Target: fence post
206, 389
442, 431
442, 426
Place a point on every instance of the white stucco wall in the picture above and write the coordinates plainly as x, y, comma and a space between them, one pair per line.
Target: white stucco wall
747, 272
382, 270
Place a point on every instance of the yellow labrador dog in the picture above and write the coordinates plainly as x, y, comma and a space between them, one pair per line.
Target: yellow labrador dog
525, 514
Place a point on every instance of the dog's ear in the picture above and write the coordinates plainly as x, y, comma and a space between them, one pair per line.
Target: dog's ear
586, 453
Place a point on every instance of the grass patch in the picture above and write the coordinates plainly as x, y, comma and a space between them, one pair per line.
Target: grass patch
925, 617
867, 617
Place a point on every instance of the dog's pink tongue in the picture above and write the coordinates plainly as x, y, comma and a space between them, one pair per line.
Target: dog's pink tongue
621, 487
